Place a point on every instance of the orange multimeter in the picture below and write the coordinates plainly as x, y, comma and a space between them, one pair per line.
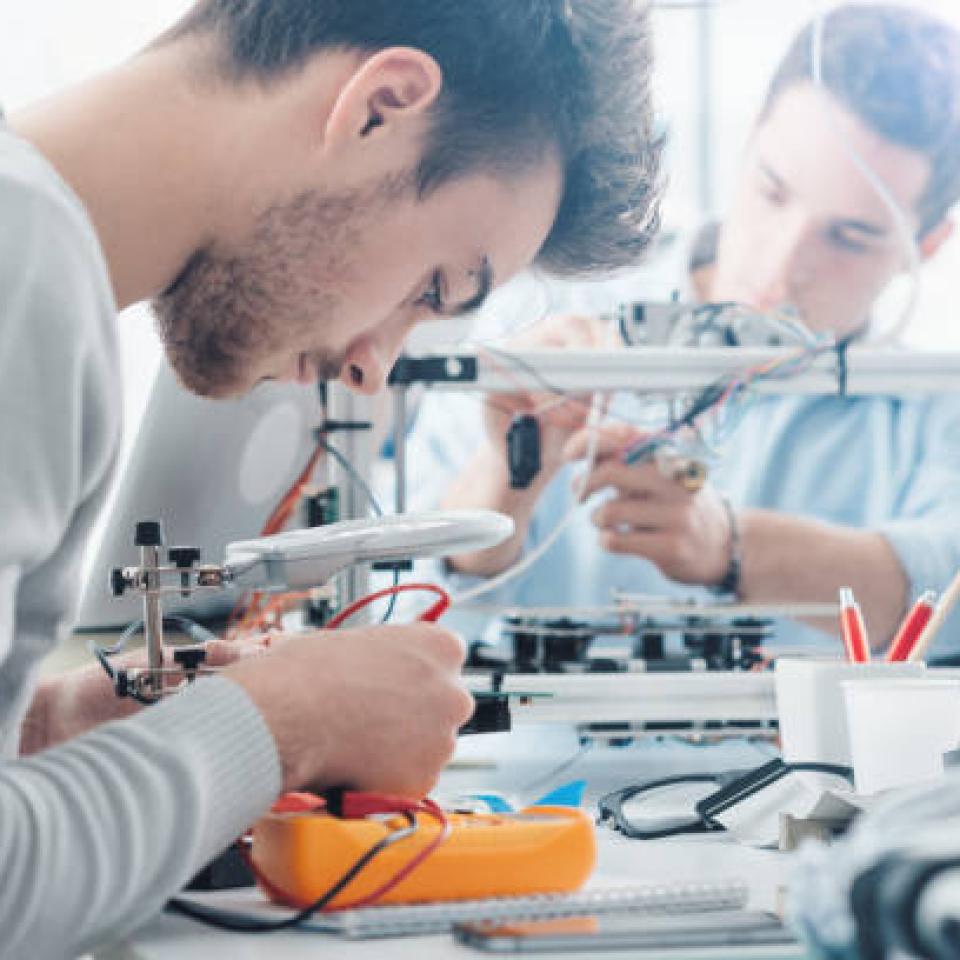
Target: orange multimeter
301, 855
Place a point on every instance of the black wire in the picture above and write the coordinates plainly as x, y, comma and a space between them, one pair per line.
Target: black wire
566, 395
101, 656
533, 372
701, 403
194, 630
238, 922
353, 473
364, 488
625, 336
707, 398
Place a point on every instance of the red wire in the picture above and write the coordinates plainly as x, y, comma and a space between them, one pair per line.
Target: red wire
425, 806
430, 615
430, 808
248, 606
246, 611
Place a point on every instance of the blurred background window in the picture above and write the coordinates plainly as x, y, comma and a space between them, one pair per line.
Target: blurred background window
714, 59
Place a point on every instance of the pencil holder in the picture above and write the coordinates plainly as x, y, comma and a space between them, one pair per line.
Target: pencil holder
811, 707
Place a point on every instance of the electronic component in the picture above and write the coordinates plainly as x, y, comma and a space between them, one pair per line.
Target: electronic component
628, 643
553, 646
709, 325
640, 666
301, 855
650, 322
490, 715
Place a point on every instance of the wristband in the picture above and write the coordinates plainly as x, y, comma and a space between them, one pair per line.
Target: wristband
730, 584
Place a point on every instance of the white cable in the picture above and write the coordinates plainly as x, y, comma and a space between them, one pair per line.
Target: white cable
511, 573
896, 211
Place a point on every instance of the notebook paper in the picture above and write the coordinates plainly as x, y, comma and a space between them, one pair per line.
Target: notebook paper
397, 921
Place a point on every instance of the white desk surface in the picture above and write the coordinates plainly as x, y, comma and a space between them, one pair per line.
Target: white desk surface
620, 861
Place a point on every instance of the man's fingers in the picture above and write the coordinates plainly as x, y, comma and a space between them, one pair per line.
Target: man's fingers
447, 648
612, 440
633, 513
655, 546
636, 480
567, 413
613, 472
220, 653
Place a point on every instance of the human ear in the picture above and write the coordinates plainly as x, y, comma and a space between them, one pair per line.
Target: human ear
387, 91
935, 238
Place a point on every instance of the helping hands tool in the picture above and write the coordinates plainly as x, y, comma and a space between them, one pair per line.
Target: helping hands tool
285, 561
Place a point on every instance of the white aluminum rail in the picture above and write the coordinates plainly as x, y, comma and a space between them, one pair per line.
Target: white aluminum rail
677, 698
678, 369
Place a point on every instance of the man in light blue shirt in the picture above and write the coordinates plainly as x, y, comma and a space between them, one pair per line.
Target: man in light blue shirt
823, 491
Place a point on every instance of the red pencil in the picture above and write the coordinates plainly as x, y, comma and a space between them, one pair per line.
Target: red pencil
852, 628
911, 628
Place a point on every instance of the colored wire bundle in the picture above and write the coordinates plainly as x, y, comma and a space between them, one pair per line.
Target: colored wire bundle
721, 401
253, 612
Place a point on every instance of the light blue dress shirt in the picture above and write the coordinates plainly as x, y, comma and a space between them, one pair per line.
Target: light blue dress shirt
889, 464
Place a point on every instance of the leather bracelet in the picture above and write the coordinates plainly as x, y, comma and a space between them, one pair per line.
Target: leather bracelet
730, 584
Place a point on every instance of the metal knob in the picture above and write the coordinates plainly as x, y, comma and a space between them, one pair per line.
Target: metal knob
149, 534
118, 582
184, 557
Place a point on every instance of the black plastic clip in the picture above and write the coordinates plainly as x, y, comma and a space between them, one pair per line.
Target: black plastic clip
523, 451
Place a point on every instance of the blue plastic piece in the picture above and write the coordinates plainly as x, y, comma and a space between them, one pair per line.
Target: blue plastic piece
568, 795
494, 802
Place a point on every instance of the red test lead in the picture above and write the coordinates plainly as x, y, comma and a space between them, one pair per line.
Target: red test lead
852, 628
911, 628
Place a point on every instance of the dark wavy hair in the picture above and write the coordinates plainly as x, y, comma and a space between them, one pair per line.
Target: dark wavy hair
520, 78
898, 70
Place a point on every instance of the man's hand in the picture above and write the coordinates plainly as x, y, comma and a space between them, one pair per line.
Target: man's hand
371, 709
686, 535
71, 703
559, 417
484, 482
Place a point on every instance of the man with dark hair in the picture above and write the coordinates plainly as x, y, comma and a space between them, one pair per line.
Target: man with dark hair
892, 74
296, 183
811, 493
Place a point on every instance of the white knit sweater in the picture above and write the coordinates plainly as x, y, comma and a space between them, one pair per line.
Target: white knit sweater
97, 834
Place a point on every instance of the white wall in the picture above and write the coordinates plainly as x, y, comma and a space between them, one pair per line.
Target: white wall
47, 44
